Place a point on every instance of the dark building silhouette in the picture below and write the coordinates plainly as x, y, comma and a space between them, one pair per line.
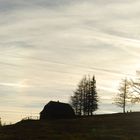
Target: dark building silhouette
57, 110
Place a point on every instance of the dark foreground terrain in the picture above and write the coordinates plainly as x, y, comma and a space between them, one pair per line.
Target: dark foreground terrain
99, 127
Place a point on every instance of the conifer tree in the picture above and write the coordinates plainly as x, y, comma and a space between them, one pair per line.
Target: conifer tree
85, 99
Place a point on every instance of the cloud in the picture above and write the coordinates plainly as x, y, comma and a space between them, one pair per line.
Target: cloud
52, 44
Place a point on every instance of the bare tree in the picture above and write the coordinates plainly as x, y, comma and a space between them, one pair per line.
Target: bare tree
135, 89
135, 86
124, 97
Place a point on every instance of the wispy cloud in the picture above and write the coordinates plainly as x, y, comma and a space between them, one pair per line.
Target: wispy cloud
52, 44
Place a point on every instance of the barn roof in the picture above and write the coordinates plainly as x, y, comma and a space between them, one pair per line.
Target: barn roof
57, 110
56, 105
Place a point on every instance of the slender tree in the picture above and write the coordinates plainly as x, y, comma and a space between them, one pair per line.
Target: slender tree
124, 97
94, 96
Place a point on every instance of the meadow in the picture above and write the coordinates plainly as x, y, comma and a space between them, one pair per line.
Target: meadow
98, 127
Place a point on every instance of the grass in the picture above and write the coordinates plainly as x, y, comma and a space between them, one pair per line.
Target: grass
99, 127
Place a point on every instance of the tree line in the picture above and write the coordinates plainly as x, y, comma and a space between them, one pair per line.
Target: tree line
85, 98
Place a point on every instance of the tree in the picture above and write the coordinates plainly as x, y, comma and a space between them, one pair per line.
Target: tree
74, 103
135, 89
94, 96
85, 99
0, 122
77, 100
125, 96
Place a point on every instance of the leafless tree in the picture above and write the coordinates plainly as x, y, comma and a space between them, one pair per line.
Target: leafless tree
124, 97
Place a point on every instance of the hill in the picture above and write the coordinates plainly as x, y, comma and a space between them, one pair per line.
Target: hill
98, 127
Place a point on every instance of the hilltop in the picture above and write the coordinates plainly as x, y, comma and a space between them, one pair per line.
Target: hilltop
99, 127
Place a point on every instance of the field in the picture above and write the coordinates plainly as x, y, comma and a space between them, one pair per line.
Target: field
99, 127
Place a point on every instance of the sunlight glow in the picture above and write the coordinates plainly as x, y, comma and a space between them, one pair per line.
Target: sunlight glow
19, 84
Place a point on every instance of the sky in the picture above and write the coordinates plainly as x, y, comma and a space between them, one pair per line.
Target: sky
46, 47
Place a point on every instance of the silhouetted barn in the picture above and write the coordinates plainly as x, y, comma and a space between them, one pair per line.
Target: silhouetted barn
57, 110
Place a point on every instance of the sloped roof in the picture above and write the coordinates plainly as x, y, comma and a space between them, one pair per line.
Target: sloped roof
57, 110
56, 105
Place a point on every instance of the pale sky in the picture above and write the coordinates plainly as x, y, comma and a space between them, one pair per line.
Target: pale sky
47, 46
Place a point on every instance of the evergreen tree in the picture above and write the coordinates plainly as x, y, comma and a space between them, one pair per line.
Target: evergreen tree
94, 96
85, 99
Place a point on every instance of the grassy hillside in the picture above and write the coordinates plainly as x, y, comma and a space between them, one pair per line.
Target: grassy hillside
99, 127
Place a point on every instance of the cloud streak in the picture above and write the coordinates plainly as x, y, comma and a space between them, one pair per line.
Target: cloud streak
52, 44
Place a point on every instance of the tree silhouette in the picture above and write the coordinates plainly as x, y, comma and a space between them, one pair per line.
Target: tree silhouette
135, 88
0, 122
125, 95
85, 99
